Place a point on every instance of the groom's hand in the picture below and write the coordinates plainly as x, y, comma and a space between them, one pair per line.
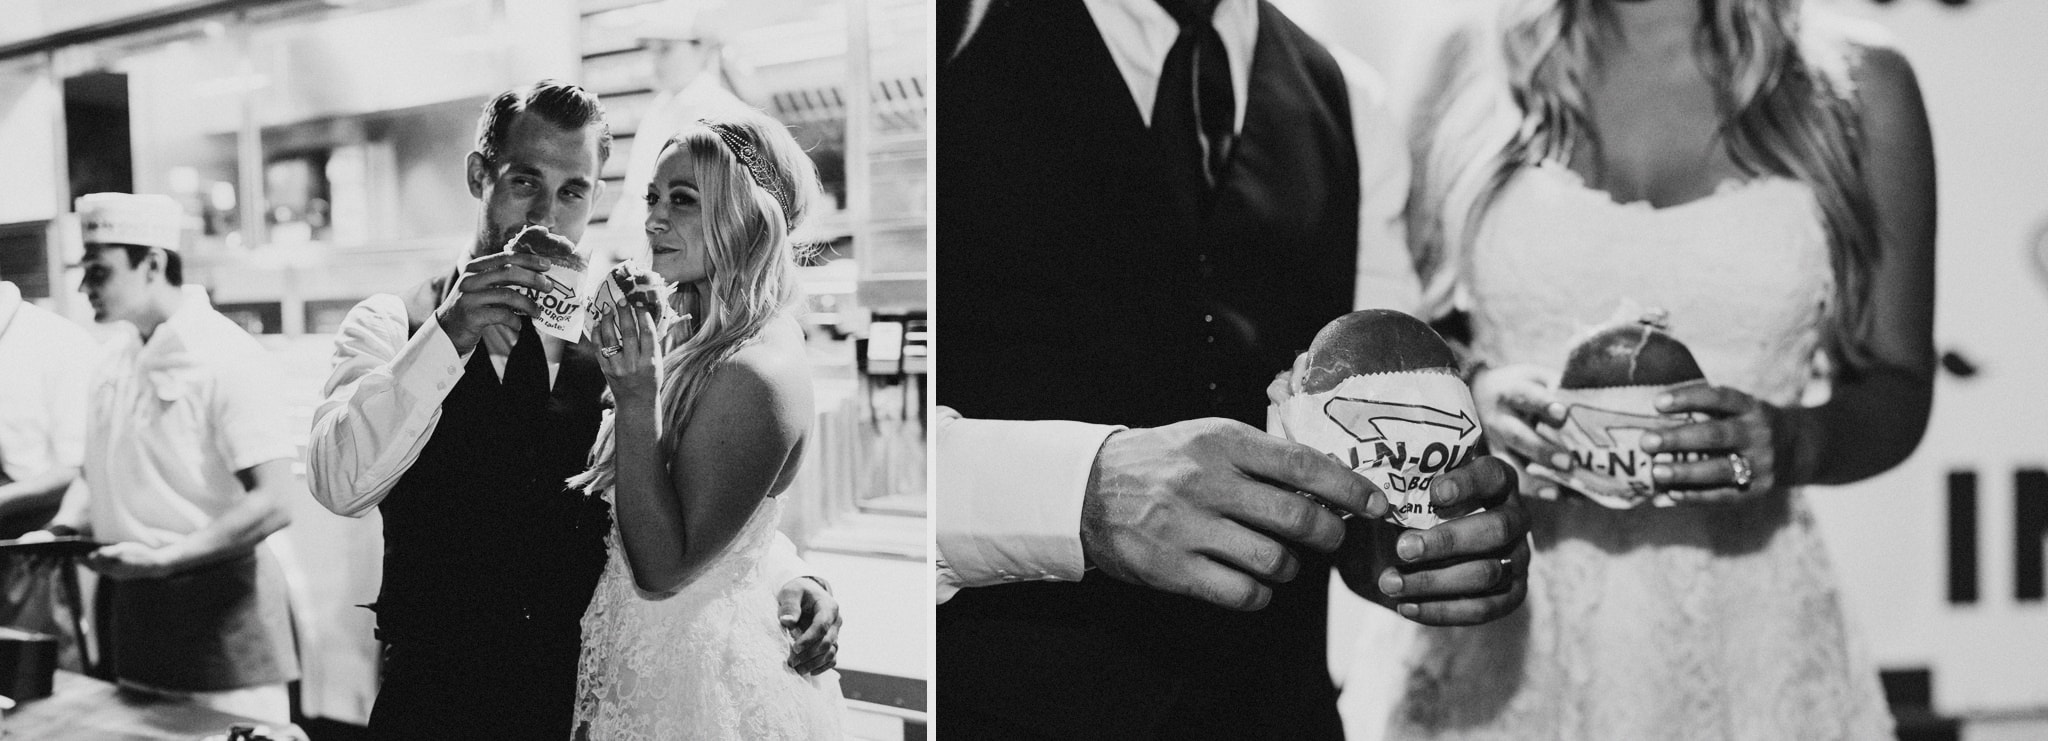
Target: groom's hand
1465, 571
1210, 509
811, 616
484, 297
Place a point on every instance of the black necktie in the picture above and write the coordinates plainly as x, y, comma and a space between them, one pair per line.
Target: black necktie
1195, 111
526, 369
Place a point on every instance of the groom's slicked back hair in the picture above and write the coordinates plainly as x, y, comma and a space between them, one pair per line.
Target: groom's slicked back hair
559, 103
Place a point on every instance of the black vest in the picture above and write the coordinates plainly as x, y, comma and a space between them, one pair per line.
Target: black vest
484, 545
1077, 282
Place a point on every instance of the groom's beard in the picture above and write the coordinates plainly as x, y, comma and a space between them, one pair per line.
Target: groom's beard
494, 238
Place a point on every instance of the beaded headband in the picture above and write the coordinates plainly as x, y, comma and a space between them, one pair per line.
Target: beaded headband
750, 158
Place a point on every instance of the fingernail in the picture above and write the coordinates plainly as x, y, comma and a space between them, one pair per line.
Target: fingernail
1548, 492
1557, 410
1665, 400
1390, 583
1651, 441
1409, 547
1560, 461
1661, 471
1409, 610
1447, 491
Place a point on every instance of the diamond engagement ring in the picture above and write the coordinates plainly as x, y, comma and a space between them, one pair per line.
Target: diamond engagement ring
611, 350
1743, 473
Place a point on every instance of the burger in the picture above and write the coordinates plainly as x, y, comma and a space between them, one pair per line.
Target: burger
556, 249
637, 287
1639, 353
1372, 341
1609, 386
1379, 391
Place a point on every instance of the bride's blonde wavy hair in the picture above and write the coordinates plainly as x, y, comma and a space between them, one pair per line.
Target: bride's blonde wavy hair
752, 266
1787, 109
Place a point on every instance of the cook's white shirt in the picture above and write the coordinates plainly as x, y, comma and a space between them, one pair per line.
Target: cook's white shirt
46, 362
173, 419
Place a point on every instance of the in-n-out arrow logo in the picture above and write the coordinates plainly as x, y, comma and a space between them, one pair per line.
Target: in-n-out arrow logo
1607, 453
559, 299
562, 311
1602, 426
1414, 441
1398, 430
1363, 418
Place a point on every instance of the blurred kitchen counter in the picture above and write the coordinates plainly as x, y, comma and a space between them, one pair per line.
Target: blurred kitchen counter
81, 708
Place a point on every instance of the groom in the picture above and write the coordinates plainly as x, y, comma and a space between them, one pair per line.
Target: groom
447, 412
1149, 207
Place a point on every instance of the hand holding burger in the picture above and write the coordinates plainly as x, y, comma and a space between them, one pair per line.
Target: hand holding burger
484, 296
1379, 389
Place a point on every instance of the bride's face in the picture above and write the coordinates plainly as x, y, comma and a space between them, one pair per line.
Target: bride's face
675, 219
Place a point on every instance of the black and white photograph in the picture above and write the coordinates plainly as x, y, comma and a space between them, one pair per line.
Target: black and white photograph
1369, 370
452, 369
1491, 369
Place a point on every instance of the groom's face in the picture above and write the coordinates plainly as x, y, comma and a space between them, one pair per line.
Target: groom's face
544, 174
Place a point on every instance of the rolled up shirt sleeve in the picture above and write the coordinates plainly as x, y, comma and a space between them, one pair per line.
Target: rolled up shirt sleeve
383, 399
1009, 499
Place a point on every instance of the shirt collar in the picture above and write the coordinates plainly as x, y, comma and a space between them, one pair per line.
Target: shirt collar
193, 305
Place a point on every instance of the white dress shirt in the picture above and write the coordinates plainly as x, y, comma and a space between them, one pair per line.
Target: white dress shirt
172, 419
383, 400
46, 363
1009, 493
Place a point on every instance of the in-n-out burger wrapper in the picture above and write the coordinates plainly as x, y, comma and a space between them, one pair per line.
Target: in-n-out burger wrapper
562, 307
1380, 392
1610, 386
623, 286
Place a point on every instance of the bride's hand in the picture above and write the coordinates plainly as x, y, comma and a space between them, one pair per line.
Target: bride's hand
627, 349
1740, 433
1511, 400
811, 616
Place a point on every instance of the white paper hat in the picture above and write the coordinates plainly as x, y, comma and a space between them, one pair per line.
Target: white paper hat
146, 220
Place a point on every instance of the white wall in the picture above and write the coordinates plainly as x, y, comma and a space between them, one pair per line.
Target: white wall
1984, 72
30, 109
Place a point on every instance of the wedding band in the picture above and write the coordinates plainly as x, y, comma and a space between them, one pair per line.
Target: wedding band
1743, 473
611, 350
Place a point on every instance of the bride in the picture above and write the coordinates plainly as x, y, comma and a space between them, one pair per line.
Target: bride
1763, 173
681, 640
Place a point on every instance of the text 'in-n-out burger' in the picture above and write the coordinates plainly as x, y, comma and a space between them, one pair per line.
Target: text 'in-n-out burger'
1379, 390
626, 286
1609, 388
562, 309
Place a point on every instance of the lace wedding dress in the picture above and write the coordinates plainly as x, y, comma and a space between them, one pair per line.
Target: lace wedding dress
708, 662
1681, 623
